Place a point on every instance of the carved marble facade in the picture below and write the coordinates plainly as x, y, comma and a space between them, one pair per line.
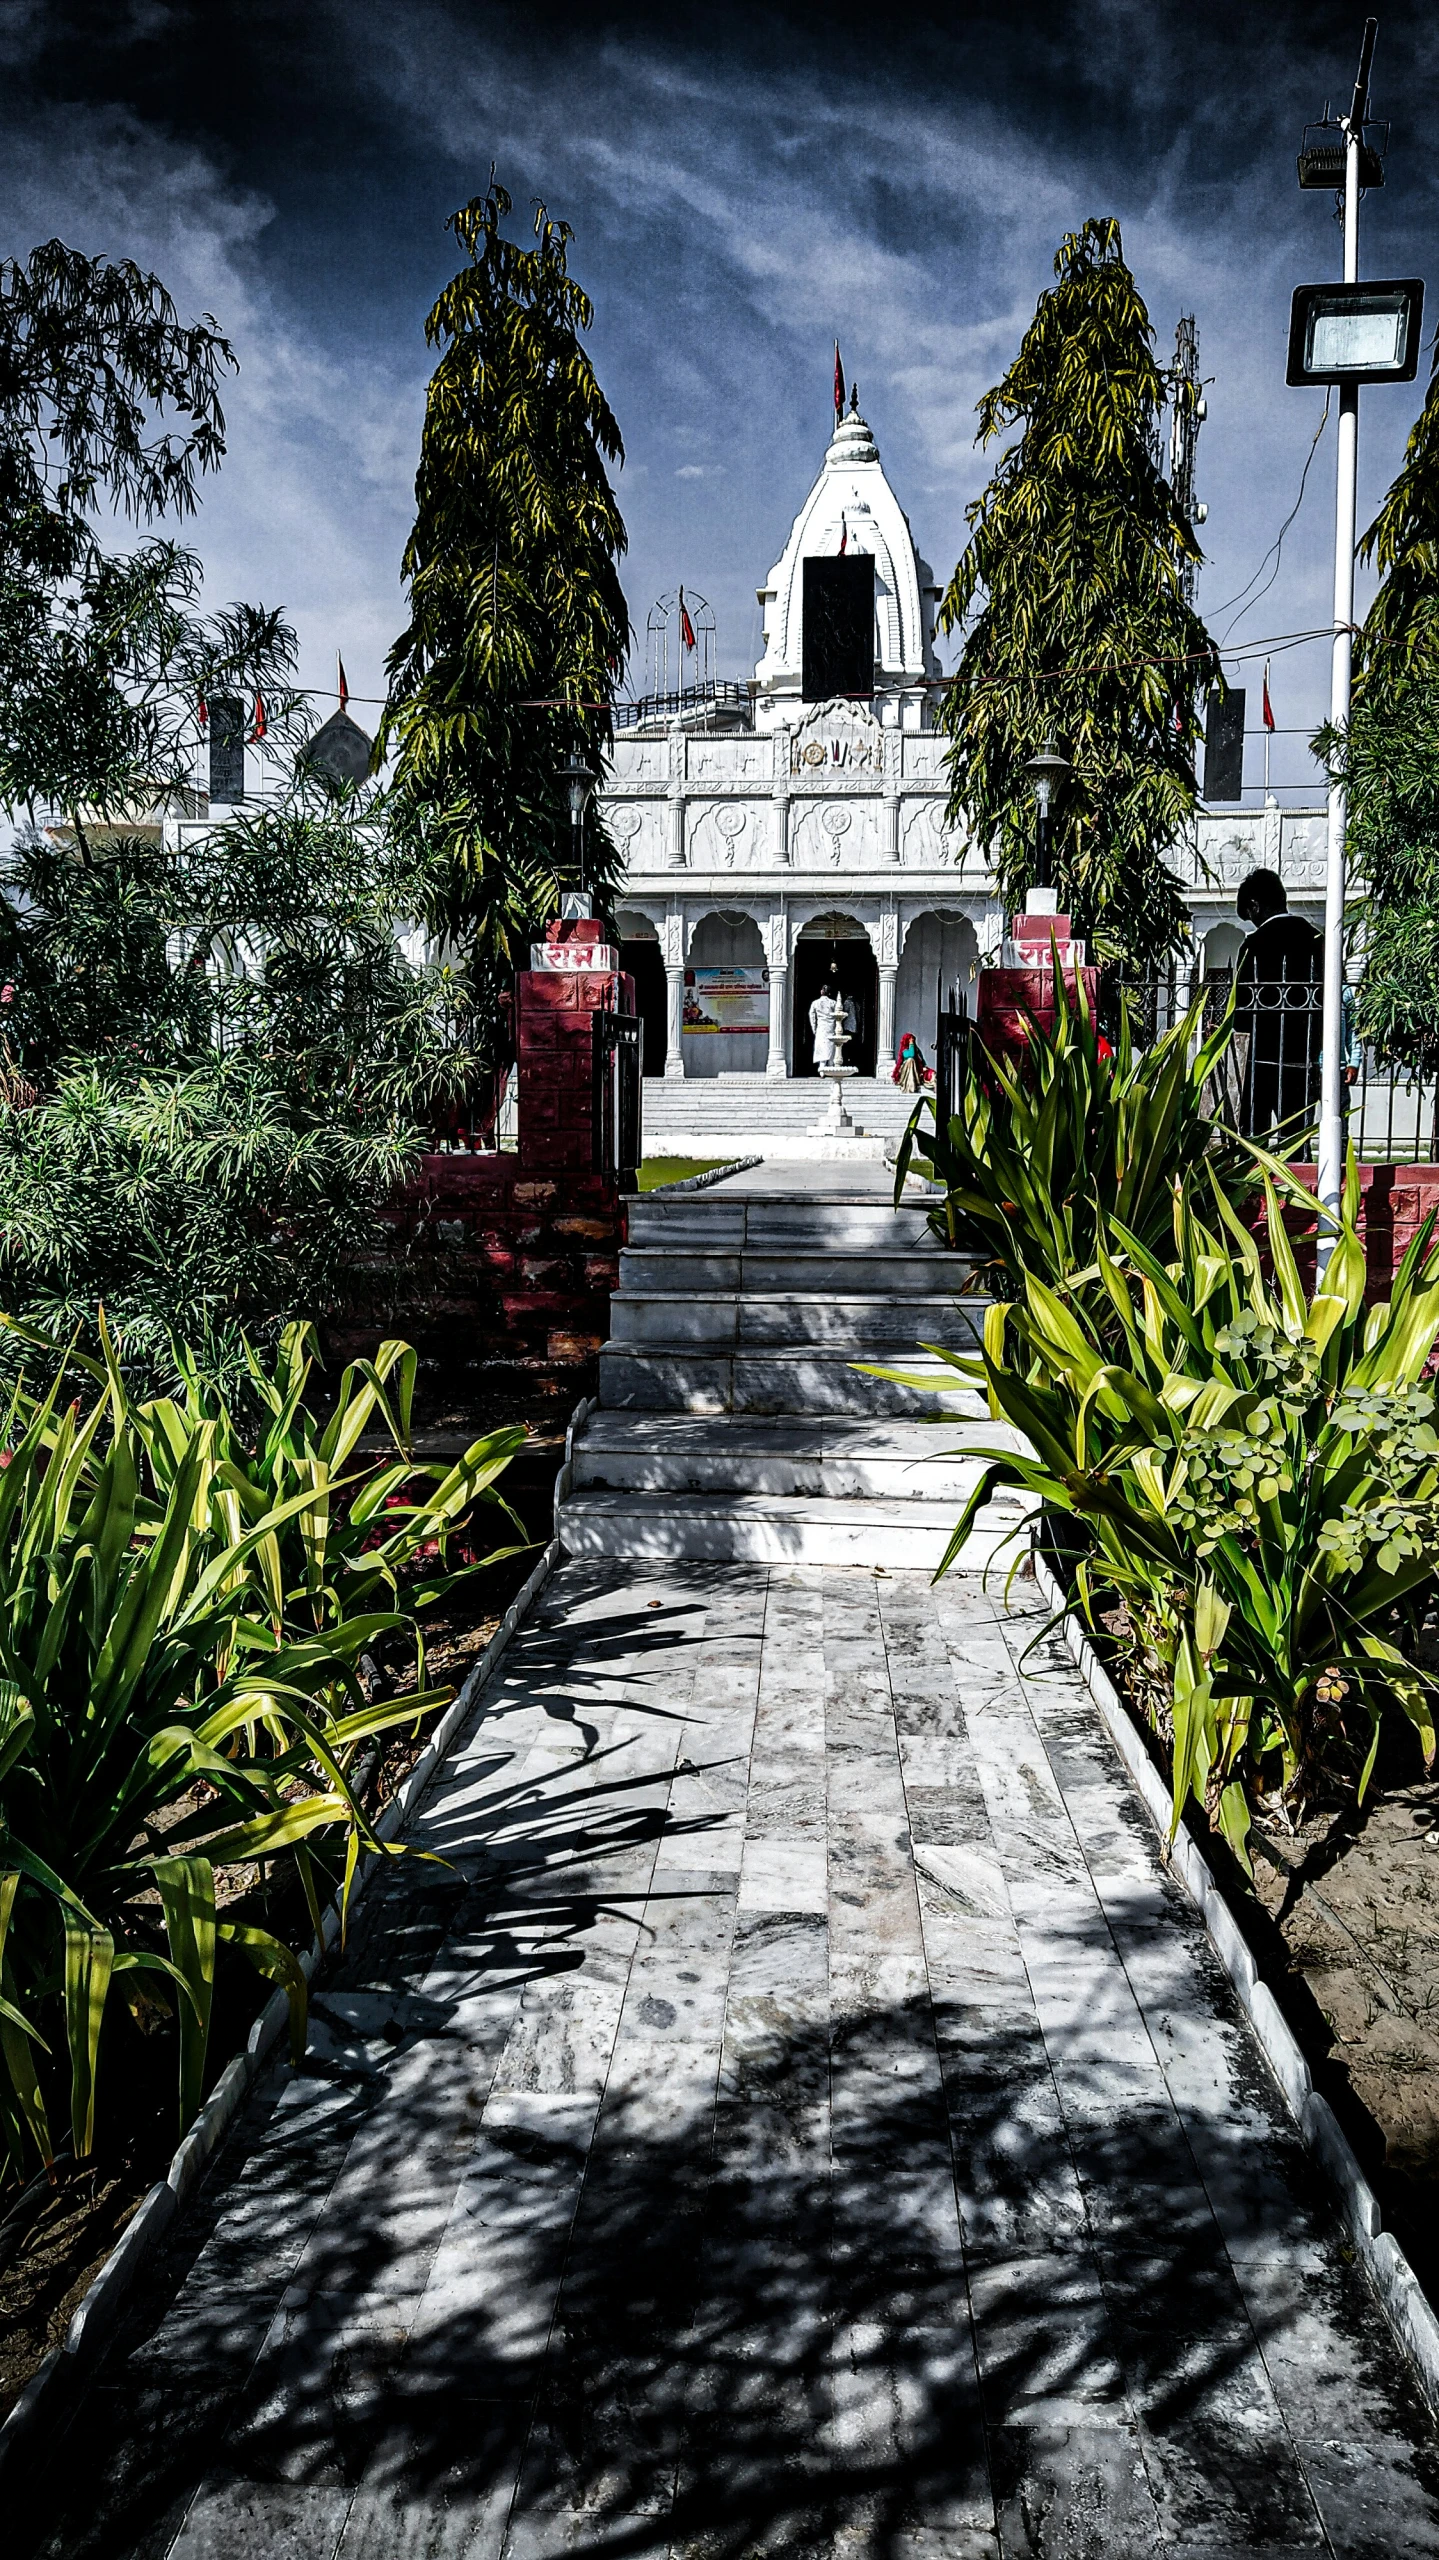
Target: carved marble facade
836, 814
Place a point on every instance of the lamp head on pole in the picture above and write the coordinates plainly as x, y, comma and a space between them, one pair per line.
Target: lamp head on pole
1047, 769
579, 783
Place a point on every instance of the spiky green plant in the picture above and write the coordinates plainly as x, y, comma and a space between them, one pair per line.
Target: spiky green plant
184, 1617
1042, 1153
1254, 1471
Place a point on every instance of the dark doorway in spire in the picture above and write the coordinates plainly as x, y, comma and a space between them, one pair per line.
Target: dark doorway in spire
838, 629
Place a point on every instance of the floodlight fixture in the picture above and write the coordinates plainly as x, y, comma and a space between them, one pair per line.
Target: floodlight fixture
1355, 332
1323, 156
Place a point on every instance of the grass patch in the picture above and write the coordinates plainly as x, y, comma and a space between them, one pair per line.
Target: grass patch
661, 1169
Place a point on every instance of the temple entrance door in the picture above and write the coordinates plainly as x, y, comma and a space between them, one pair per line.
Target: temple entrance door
859, 979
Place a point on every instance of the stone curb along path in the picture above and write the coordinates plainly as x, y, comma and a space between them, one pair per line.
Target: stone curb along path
57, 2384
1404, 2302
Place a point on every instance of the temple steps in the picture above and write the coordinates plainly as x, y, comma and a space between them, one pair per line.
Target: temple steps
740, 1416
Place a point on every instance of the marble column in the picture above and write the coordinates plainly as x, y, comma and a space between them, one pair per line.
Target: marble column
891, 826
775, 1064
677, 827
885, 1040
674, 1027
782, 810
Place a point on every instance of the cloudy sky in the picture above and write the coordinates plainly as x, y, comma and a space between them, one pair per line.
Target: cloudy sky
744, 185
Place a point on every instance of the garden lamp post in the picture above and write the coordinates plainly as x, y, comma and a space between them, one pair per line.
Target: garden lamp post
579, 784
1046, 770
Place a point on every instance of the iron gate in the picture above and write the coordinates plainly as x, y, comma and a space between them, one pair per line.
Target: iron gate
616, 1089
951, 1047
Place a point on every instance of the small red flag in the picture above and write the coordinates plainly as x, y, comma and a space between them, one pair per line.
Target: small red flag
258, 726
838, 382
344, 686
204, 710
687, 629
1268, 705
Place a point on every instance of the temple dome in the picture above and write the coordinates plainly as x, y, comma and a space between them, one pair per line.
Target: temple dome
852, 504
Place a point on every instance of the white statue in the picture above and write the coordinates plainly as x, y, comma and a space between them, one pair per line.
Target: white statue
833, 1023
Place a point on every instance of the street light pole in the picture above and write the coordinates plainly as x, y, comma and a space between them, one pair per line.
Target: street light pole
1331, 1090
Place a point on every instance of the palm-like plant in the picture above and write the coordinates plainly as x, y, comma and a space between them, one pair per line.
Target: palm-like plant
1070, 596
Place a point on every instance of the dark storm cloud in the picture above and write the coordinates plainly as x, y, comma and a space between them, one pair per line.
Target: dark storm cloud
743, 186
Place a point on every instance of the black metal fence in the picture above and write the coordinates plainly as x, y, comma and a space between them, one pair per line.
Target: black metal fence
1268, 1083
616, 1095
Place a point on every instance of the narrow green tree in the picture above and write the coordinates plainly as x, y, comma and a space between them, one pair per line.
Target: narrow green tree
1070, 597
1390, 759
518, 627
1400, 639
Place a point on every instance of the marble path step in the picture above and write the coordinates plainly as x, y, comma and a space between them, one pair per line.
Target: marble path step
816, 1379
840, 1460
766, 1528
794, 1320
797, 1270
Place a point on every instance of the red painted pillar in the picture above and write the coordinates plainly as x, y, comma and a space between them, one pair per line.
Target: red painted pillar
573, 975
1008, 996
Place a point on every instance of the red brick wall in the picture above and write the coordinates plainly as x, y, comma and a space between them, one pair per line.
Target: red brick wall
1395, 1200
499, 1267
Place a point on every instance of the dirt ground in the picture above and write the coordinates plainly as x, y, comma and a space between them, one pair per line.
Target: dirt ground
1352, 1902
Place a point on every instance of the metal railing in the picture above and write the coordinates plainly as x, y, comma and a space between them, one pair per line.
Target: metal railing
1267, 1085
616, 1097
718, 694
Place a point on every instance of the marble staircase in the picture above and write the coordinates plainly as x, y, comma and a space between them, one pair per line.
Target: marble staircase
773, 1116
734, 1423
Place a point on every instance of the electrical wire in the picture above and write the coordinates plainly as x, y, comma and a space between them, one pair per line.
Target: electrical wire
1276, 548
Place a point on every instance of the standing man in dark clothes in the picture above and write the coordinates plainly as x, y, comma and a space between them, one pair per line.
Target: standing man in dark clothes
1278, 1010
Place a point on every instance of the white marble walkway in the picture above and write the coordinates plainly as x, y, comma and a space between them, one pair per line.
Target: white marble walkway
802, 2117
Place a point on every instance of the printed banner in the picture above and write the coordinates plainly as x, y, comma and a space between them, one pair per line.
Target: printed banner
727, 1000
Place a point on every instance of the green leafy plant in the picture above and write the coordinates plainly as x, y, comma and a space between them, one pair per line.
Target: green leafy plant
1039, 1158
107, 395
1071, 599
1389, 759
227, 1059
1253, 1472
188, 1632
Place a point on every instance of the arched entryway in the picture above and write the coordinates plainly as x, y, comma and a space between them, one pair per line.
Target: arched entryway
940, 954
726, 992
640, 955
835, 943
